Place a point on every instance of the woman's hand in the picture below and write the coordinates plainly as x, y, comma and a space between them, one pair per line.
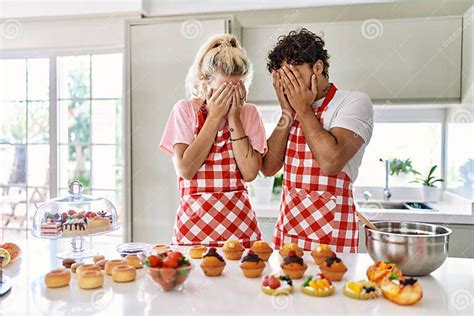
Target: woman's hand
238, 100
220, 101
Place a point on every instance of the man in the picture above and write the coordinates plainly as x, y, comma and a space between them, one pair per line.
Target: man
320, 140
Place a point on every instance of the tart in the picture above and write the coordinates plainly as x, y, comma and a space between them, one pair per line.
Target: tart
262, 249
317, 286
381, 270
333, 267
232, 249
294, 266
212, 263
252, 265
288, 247
274, 284
361, 290
196, 252
320, 253
401, 290
13, 249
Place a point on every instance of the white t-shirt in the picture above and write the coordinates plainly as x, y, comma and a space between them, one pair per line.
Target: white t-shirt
354, 111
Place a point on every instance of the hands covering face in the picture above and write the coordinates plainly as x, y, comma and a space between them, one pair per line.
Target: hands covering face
227, 100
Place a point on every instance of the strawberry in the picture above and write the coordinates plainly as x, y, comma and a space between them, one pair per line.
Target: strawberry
265, 280
291, 253
273, 282
175, 255
71, 212
63, 216
154, 261
167, 274
170, 263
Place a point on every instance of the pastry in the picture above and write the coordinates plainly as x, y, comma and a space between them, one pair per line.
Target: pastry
232, 249
333, 267
57, 278
212, 263
13, 249
67, 263
361, 290
134, 261
401, 290
110, 264
262, 249
98, 258
75, 227
294, 266
101, 264
90, 279
252, 265
75, 265
381, 270
98, 224
196, 252
124, 273
291, 246
5, 257
317, 286
320, 253
50, 229
274, 284
86, 267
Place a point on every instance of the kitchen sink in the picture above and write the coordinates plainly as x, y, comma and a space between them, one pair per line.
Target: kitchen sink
396, 205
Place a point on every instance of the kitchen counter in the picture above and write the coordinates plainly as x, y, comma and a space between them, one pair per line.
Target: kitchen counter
448, 290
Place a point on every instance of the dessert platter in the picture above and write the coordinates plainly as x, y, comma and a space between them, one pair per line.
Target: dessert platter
75, 216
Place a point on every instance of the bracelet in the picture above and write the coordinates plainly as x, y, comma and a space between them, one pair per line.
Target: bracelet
240, 138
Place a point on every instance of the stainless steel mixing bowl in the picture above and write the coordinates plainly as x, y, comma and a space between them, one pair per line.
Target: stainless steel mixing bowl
417, 248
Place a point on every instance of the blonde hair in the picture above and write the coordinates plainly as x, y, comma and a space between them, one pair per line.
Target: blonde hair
221, 54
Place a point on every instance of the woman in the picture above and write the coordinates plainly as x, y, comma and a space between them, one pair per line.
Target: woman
217, 142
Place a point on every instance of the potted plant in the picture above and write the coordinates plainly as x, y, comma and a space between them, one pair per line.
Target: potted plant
430, 192
400, 169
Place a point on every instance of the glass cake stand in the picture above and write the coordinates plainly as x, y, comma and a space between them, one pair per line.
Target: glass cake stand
75, 216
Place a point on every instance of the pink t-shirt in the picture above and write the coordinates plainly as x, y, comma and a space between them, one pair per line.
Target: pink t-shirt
183, 120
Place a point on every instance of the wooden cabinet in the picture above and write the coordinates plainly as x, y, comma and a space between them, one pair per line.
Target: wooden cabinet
398, 60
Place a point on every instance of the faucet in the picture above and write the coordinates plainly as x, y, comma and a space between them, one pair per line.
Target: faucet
386, 189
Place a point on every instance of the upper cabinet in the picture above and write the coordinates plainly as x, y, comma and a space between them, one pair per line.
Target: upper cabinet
397, 60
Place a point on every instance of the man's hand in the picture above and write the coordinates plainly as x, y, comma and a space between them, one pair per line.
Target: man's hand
299, 96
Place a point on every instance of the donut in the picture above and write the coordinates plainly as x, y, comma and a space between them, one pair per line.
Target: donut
134, 261
112, 263
90, 279
76, 265
67, 263
196, 252
98, 258
57, 278
101, 264
86, 267
124, 273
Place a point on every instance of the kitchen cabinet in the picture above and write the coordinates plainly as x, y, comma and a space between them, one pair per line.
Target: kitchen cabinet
159, 54
398, 60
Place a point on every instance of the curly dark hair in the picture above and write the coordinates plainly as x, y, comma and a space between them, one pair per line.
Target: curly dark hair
298, 47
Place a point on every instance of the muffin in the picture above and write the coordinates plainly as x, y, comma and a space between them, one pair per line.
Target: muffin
288, 247
232, 249
252, 265
294, 266
318, 286
212, 263
196, 252
262, 249
333, 267
320, 253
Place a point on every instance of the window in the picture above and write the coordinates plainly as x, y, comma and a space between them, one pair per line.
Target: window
88, 131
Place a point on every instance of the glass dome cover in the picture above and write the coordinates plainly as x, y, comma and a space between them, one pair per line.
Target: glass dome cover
74, 215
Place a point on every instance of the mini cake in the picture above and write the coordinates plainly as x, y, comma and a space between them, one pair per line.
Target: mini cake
275, 284
75, 227
318, 286
361, 290
401, 290
320, 253
291, 246
98, 224
262, 249
294, 266
196, 252
51, 229
252, 265
333, 267
212, 263
232, 249
381, 270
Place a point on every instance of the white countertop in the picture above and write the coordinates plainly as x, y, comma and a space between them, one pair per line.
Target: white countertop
448, 290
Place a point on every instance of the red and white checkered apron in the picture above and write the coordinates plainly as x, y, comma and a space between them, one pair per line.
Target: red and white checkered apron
214, 205
315, 208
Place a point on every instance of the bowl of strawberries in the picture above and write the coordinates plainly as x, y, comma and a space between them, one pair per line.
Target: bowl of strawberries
170, 270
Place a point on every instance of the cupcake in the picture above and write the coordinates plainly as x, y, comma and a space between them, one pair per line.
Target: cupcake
289, 247
212, 263
275, 284
361, 290
196, 252
333, 267
233, 250
320, 285
262, 249
252, 265
294, 266
320, 253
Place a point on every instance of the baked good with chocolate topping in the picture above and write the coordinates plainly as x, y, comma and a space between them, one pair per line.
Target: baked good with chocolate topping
252, 265
319, 285
232, 249
333, 267
401, 290
284, 251
294, 265
75, 227
212, 263
68, 262
262, 249
320, 253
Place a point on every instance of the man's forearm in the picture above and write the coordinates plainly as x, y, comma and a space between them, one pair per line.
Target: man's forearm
273, 160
